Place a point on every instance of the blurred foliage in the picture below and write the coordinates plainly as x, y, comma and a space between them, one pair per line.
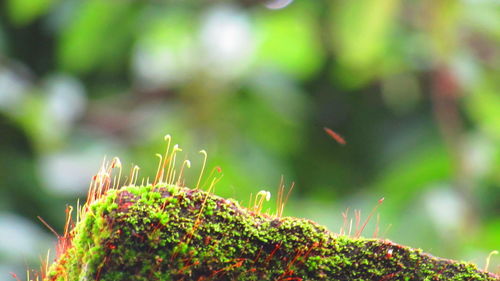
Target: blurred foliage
413, 86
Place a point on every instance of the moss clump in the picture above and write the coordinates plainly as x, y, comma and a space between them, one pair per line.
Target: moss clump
176, 233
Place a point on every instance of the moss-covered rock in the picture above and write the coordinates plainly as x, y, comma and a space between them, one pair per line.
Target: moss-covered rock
176, 233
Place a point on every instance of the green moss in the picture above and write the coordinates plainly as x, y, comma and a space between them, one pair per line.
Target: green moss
164, 233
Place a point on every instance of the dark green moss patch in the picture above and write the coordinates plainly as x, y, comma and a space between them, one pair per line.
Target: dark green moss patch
164, 233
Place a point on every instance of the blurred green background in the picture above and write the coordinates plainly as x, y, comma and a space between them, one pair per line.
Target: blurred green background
413, 86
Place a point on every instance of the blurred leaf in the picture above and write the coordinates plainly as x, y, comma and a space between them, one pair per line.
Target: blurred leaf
443, 28
3, 43
415, 171
31, 118
361, 30
274, 111
165, 50
484, 16
401, 92
264, 126
484, 105
23, 12
171, 27
289, 40
489, 236
96, 35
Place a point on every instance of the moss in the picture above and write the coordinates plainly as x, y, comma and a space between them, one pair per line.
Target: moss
176, 233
